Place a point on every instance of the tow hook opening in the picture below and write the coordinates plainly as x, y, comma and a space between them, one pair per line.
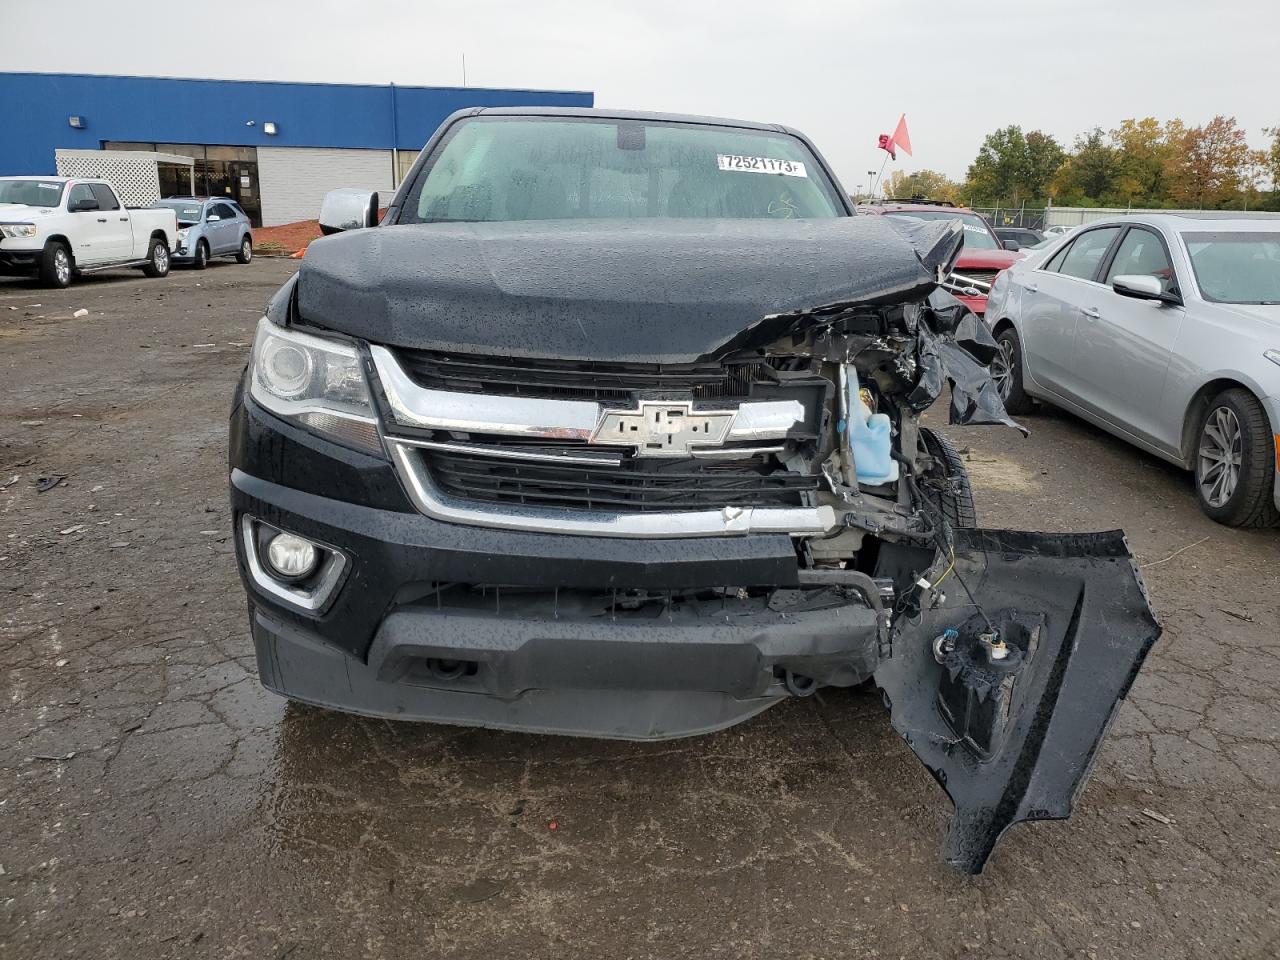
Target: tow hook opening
447, 669
798, 685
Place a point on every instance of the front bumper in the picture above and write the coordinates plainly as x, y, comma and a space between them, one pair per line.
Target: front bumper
1272, 406
19, 262
540, 638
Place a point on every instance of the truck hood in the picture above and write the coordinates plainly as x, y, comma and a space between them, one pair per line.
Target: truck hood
987, 259
652, 290
26, 212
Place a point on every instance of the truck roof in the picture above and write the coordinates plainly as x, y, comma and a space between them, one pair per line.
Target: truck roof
38, 176
611, 114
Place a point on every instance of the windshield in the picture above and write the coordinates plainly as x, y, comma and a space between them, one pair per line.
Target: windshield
34, 193
976, 234
504, 169
1235, 267
185, 210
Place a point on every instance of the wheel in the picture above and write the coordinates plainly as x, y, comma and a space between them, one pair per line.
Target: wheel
202, 256
157, 259
1006, 371
1235, 462
55, 265
246, 250
947, 483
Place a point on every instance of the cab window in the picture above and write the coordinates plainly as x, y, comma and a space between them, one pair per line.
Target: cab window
105, 196
1082, 257
81, 198
1142, 254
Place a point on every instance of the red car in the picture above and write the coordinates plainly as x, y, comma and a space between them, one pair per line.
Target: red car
981, 258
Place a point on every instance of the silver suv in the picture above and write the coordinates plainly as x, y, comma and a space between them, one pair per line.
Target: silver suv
1164, 330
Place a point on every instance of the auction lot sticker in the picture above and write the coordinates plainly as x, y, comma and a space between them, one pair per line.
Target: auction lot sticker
788, 168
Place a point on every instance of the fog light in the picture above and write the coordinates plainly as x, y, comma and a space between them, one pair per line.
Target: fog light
291, 557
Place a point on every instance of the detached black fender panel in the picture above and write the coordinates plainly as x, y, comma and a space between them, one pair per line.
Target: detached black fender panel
1006, 688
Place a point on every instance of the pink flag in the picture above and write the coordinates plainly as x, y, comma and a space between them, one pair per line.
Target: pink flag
886, 144
901, 137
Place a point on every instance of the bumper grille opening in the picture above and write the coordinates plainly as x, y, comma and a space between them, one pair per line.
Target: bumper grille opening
632, 486
574, 379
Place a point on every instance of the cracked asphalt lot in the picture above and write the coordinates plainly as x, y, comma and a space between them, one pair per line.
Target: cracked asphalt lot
156, 802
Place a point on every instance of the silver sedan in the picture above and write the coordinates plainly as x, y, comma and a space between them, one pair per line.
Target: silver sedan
1165, 331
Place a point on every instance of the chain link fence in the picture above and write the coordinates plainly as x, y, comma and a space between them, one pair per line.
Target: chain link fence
1032, 218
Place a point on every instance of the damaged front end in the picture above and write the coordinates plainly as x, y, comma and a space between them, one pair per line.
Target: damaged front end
1004, 654
795, 526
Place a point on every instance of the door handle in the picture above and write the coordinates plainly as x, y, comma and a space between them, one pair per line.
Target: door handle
102, 219
1031, 288
1093, 313
124, 219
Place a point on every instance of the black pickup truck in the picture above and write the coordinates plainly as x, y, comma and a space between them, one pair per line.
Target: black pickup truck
611, 428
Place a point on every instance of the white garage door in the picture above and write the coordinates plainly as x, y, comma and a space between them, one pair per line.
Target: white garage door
293, 180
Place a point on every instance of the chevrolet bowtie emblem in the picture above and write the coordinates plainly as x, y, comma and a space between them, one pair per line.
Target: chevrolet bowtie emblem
663, 429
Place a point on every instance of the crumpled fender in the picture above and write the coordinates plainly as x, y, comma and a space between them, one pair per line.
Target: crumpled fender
1014, 739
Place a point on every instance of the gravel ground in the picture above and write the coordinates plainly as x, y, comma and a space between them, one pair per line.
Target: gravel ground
156, 802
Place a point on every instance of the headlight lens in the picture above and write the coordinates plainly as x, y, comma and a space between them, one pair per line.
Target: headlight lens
316, 383
15, 230
182, 234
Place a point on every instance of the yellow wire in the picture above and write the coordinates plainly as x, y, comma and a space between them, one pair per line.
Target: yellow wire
947, 571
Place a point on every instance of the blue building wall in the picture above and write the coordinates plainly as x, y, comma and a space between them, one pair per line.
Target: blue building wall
35, 107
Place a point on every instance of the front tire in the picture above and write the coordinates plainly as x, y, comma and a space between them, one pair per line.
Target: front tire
157, 259
947, 483
1235, 462
202, 256
1006, 371
56, 267
246, 250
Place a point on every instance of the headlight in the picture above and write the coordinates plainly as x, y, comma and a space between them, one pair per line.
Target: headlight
14, 230
316, 383
182, 234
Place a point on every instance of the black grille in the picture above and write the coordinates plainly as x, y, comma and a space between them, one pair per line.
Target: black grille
633, 486
573, 379
986, 276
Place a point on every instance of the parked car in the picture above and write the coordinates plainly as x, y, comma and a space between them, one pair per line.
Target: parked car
210, 227
1019, 238
1161, 329
57, 228
984, 254
611, 428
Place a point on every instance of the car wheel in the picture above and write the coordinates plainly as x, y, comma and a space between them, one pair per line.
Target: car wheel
947, 483
246, 250
55, 265
1006, 371
157, 259
1235, 462
201, 259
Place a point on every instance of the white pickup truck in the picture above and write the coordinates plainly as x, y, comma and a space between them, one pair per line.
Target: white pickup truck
58, 227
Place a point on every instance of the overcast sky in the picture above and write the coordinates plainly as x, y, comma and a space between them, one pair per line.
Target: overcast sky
840, 71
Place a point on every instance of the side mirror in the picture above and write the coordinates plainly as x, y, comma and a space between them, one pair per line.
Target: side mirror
1012, 245
348, 208
212, 218
1142, 287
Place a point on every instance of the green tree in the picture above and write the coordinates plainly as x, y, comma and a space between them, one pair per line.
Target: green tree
1090, 175
1147, 150
1045, 157
1000, 168
1271, 161
922, 183
1012, 167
